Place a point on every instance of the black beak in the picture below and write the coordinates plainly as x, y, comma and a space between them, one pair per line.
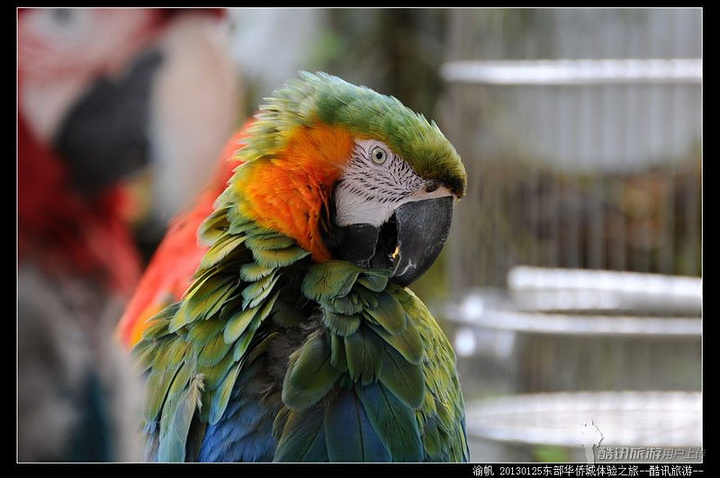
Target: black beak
422, 229
407, 244
104, 136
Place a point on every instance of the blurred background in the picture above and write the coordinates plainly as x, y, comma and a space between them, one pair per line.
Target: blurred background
571, 282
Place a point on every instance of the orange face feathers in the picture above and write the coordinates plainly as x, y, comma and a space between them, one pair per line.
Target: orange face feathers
289, 193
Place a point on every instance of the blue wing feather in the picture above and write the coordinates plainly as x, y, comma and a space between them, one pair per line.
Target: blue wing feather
349, 434
244, 432
395, 422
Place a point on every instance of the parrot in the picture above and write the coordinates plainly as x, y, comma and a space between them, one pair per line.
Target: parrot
97, 104
278, 324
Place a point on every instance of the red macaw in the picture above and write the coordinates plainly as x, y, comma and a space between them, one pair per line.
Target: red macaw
102, 94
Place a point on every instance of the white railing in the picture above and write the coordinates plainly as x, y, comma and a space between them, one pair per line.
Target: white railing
575, 72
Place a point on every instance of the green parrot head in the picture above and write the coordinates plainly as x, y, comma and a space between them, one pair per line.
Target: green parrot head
350, 174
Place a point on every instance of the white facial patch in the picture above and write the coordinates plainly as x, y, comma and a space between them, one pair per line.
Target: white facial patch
375, 183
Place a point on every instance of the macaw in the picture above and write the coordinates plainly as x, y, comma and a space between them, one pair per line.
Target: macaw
295, 337
98, 101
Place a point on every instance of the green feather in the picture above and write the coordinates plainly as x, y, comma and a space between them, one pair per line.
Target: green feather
214, 374
165, 363
329, 280
404, 379
157, 328
280, 421
245, 323
204, 298
172, 354
156, 387
433, 438
310, 374
238, 323
338, 358
267, 309
202, 332
409, 343
166, 313
159, 323
141, 356
256, 292
261, 347
374, 282
367, 298
175, 425
350, 304
146, 350
222, 395
388, 314
242, 343
269, 242
224, 246
341, 324
279, 257
303, 437
252, 271
187, 370
363, 352
213, 227
237, 223
213, 352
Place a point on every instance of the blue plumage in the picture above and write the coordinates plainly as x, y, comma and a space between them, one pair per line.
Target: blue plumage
350, 435
244, 432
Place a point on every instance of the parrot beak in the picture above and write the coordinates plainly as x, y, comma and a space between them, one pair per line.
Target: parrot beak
407, 244
105, 135
422, 229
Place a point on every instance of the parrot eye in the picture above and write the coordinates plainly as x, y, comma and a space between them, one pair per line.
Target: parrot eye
378, 155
